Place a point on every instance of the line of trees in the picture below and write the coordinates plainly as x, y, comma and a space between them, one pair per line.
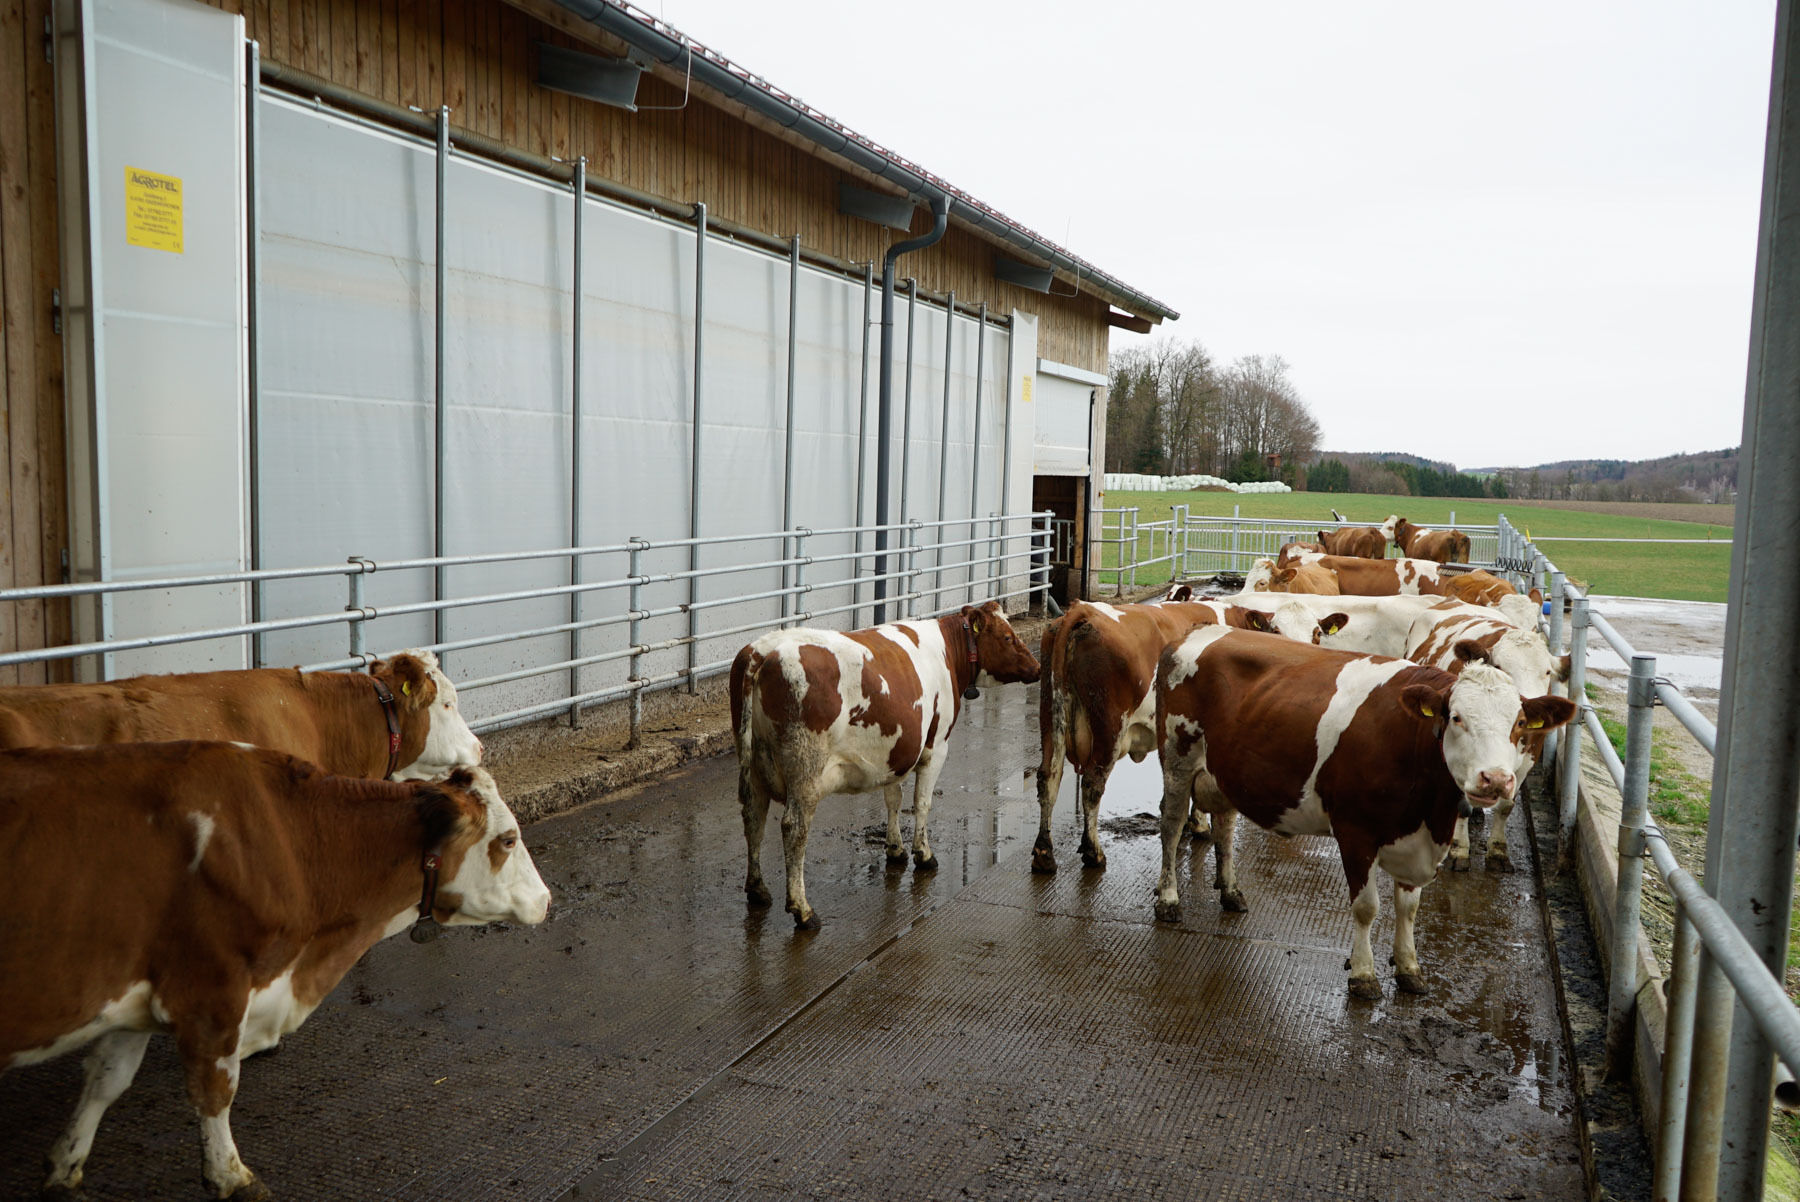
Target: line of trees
1173, 411
1399, 477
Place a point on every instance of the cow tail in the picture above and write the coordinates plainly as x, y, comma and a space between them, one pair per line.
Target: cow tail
743, 680
1053, 703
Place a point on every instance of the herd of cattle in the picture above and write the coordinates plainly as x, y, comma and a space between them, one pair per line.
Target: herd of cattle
207, 855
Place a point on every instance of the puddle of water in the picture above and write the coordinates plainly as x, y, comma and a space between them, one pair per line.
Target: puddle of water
1685, 672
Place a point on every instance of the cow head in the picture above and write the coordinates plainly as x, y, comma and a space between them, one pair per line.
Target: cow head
1179, 592
1296, 621
425, 695
1390, 529
1001, 657
1256, 580
486, 874
1481, 720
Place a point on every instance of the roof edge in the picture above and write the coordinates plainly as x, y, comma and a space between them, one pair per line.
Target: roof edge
670, 47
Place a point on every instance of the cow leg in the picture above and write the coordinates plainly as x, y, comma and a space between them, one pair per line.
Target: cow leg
1049, 784
1093, 788
110, 1067
1199, 825
796, 821
1498, 860
924, 788
1364, 910
1225, 865
1408, 977
753, 800
896, 852
1458, 859
209, 1057
1178, 790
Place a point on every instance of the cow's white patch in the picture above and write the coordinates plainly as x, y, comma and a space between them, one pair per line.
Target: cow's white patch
273, 1011
1355, 681
1107, 611
225, 1172
1413, 858
1188, 651
516, 893
130, 1011
203, 833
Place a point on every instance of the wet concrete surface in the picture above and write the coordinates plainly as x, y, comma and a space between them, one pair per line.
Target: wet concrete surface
976, 1032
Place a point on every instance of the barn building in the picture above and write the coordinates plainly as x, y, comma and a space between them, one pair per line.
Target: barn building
293, 282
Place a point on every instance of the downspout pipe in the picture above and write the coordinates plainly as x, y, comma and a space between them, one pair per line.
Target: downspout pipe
884, 404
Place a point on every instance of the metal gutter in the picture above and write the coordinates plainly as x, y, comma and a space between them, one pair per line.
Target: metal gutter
672, 48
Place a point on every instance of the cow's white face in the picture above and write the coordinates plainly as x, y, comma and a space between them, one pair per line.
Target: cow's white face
496, 881
449, 743
1522, 655
1483, 720
1258, 578
1387, 527
1297, 621
1520, 610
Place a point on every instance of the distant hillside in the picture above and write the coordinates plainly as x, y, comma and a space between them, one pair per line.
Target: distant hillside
1706, 476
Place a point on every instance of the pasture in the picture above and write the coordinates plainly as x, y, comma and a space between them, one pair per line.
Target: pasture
1678, 571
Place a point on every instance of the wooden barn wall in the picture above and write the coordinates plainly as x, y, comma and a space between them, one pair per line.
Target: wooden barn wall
33, 505
476, 57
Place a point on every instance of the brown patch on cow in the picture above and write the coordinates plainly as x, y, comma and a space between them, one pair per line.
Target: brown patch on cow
822, 703
1360, 542
910, 633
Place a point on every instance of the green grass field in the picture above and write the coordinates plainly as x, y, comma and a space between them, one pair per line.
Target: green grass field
1686, 572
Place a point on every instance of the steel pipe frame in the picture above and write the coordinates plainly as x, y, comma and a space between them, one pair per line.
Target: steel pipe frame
252, 343
975, 454
862, 413
578, 181
937, 578
1568, 762
787, 454
1622, 980
912, 304
439, 403
1751, 835
694, 472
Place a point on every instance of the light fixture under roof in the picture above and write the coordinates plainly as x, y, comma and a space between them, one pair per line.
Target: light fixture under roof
611, 81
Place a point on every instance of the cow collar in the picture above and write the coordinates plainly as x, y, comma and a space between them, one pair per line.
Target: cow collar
970, 693
385, 695
425, 929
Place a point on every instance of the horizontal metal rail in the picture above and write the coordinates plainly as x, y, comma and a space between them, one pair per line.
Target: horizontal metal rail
1016, 545
1697, 913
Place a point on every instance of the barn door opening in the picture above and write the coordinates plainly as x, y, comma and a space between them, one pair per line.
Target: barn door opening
151, 153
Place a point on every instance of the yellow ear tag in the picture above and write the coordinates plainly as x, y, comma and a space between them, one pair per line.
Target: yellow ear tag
1426, 710
1536, 723
974, 626
1331, 629
406, 689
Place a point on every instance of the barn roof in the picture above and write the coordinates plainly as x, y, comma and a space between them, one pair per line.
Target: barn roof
671, 48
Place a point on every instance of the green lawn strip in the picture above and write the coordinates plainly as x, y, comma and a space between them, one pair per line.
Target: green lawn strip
1678, 571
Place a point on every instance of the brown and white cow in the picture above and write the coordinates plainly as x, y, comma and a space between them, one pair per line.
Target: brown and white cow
1096, 699
400, 720
1290, 552
1359, 577
1365, 542
817, 712
1419, 542
217, 893
1376, 752
1482, 587
1301, 577
1452, 635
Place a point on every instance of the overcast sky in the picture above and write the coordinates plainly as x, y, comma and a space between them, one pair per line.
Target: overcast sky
1492, 234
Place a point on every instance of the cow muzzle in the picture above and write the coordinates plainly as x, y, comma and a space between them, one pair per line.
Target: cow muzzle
1491, 787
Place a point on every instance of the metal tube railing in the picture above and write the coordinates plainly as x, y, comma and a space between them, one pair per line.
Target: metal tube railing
1694, 1092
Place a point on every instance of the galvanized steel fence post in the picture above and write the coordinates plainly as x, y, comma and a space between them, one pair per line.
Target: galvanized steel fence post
579, 184
862, 444
800, 586
693, 615
1568, 762
1558, 586
912, 310
912, 567
1237, 562
635, 637
1678, 1055
943, 505
252, 347
358, 638
975, 452
1621, 1005
787, 454
440, 422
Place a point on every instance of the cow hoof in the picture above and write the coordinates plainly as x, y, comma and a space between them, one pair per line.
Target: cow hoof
896, 859
252, 1190
1457, 863
62, 1191
757, 894
1168, 911
809, 923
1365, 989
1043, 861
1093, 858
924, 863
1233, 901
1498, 860
1409, 982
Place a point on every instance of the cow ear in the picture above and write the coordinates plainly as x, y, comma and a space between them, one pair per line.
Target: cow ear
1536, 595
1321, 536
444, 816
1547, 712
1562, 669
462, 778
1332, 623
1425, 701
409, 679
1468, 651
1256, 619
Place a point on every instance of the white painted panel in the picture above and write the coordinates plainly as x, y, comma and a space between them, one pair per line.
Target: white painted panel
165, 96
1062, 426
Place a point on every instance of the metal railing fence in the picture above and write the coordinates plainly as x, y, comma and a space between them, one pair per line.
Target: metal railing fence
1689, 1130
998, 557
1128, 552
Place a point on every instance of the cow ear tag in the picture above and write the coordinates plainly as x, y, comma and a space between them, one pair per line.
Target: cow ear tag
406, 688
1536, 723
1426, 710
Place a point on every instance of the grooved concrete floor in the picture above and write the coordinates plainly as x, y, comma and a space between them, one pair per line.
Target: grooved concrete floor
977, 1032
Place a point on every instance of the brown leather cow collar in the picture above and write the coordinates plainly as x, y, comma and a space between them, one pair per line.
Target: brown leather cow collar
970, 693
385, 695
